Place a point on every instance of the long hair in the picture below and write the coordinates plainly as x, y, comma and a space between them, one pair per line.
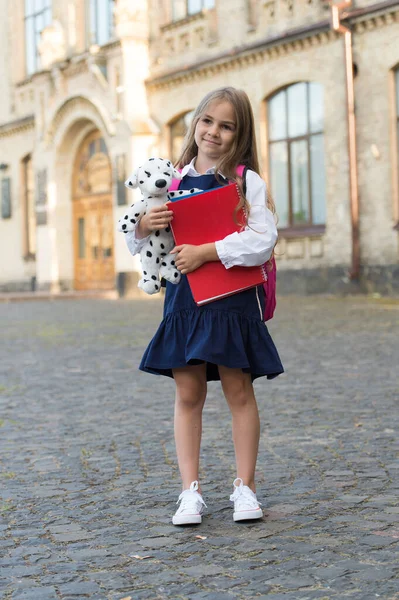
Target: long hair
243, 150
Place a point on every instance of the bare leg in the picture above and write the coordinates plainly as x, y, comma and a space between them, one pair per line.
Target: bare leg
239, 393
191, 391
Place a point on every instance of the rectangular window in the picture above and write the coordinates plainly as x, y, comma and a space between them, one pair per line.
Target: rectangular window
299, 182
277, 117
121, 189
6, 198
184, 8
81, 238
297, 103
101, 21
37, 17
29, 209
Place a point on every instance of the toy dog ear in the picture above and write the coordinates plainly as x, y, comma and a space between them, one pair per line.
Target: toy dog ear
176, 174
131, 182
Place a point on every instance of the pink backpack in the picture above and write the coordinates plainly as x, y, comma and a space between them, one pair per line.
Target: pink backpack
269, 285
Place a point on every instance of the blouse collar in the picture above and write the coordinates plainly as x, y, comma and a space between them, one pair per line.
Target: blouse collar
191, 171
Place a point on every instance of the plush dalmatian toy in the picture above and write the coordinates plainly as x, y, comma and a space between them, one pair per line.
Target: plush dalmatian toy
154, 178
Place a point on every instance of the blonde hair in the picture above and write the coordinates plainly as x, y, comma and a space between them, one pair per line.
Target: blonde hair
243, 150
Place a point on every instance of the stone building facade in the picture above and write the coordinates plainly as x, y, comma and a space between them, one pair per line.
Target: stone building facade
92, 88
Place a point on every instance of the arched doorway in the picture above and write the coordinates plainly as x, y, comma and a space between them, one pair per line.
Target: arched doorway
92, 216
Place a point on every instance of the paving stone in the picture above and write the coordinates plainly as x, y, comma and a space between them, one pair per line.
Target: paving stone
202, 570
291, 581
90, 441
36, 593
79, 588
213, 596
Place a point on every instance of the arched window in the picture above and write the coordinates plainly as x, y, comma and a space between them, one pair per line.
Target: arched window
178, 129
296, 155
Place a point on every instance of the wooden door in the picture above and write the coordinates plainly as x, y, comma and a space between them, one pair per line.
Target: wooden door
93, 217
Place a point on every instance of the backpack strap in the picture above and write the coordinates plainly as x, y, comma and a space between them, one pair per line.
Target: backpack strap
175, 183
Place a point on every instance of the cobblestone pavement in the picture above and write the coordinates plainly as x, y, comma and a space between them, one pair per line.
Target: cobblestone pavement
88, 479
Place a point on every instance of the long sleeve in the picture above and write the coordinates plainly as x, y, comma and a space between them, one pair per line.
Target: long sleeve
254, 245
134, 244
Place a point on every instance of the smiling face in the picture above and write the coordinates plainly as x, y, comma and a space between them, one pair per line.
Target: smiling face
214, 133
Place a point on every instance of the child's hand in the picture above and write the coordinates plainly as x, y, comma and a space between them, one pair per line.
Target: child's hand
188, 257
158, 217
191, 257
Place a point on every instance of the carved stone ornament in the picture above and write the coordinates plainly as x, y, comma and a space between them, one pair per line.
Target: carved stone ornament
130, 17
52, 45
129, 10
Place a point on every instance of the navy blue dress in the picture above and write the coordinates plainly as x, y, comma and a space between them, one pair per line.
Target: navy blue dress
228, 332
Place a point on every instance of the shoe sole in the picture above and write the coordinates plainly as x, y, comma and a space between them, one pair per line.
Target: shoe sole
187, 520
248, 515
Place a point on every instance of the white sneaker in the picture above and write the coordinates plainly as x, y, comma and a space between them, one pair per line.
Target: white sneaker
246, 505
191, 507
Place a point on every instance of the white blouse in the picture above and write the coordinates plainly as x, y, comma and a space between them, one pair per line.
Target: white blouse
247, 248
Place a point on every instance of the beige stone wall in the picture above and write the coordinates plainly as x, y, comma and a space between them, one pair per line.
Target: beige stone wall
318, 57
232, 24
321, 62
13, 266
69, 98
376, 53
157, 70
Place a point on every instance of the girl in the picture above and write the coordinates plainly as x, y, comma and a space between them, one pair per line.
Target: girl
226, 339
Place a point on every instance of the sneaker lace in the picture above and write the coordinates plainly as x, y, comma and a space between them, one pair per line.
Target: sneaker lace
243, 495
190, 498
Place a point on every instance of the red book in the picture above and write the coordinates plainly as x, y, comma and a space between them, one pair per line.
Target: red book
208, 217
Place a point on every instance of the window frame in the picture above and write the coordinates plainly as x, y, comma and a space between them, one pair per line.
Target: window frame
29, 208
93, 36
187, 12
32, 53
294, 229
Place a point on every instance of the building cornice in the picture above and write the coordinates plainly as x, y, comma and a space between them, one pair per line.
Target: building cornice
189, 19
17, 126
240, 55
370, 17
